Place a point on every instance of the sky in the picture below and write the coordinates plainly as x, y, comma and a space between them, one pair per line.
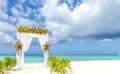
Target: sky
75, 26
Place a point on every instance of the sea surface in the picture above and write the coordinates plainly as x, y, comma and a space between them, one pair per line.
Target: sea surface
72, 57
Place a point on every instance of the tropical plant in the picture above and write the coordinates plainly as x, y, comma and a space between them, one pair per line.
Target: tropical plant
31, 29
13, 62
46, 46
6, 64
9, 62
59, 65
2, 65
18, 45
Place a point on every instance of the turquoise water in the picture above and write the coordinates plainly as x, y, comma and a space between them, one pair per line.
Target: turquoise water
40, 58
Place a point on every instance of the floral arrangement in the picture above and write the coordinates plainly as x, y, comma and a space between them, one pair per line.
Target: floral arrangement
46, 46
31, 29
18, 45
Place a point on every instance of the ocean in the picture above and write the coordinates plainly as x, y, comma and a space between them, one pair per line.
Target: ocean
72, 57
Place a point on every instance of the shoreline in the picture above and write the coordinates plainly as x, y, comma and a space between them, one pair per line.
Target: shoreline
79, 67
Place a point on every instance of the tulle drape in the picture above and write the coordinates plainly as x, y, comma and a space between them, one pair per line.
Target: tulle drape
43, 39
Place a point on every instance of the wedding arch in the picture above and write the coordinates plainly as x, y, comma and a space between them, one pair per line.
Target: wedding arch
25, 35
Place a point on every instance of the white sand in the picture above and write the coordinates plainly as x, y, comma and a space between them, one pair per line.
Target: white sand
31, 68
79, 67
96, 67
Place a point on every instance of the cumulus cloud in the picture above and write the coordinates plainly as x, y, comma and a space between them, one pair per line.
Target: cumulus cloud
3, 15
3, 3
4, 27
15, 11
26, 15
5, 30
94, 19
22, 1
25, 21
6, 39
106, 40
15, 15
37, 2
91, 19
3, 7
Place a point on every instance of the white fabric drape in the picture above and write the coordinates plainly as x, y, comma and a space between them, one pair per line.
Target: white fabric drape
26, 39
18, 59
43, 39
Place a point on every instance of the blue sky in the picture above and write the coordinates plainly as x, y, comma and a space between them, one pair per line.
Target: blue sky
75, 26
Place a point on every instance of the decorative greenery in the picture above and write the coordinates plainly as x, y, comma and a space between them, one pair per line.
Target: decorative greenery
31, 29
46, 46
18, 45
6, 64
59, 65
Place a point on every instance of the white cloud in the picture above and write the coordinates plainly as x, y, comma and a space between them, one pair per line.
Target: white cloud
19, 6
15, 11
12, 19
6, 27
6, 39
91, 18
106, 40
19, 11
29, 10
3, 15
25, 21
71, 4
22, 1
3, 3
3, 8
17, 15
37, 2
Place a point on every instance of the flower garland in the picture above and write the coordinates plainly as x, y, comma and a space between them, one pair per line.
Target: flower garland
31, 29
18, 45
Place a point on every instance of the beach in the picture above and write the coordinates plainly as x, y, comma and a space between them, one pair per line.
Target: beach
78, 67
83, 34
